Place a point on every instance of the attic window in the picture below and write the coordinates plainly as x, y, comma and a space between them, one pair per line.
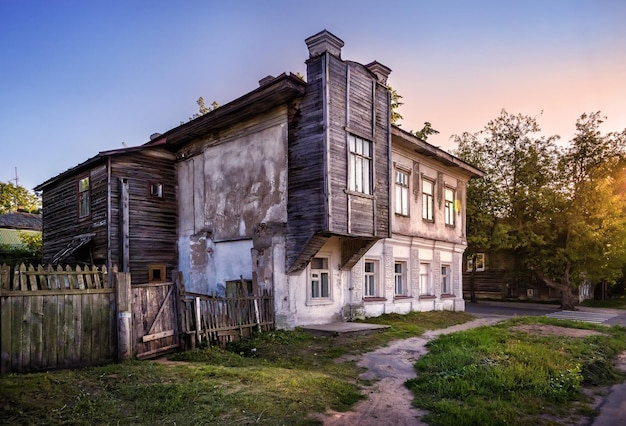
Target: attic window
156, 273
156, 190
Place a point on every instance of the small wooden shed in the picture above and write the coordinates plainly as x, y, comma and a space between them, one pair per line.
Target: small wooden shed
117, 208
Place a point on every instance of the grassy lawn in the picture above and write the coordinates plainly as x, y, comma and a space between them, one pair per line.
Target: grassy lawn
277, 378
487, 376
506, 375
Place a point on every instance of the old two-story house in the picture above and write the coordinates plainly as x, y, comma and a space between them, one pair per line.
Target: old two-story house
301, 187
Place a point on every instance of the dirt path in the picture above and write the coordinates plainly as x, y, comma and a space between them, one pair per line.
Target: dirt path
389, 401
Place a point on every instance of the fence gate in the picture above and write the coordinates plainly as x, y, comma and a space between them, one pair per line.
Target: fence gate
154, 318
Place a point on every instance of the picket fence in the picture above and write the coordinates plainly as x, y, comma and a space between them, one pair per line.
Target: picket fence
68, 317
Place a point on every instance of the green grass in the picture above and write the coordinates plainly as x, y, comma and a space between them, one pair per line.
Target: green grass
281, 377
497, 375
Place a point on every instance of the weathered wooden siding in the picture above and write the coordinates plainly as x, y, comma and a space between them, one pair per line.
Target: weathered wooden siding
60, 216
306, 206
153, 220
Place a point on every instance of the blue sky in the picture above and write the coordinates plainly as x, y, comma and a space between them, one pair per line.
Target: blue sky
79, 77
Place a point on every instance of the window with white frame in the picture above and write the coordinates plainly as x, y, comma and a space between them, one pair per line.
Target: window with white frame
320, 278
425, 287
445, 280
449, 206
84, 197
369, 279
402, 193
428, 199
360, 179
400, 279
480, 262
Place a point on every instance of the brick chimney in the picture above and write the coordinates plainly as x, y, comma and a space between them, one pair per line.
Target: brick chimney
324, 41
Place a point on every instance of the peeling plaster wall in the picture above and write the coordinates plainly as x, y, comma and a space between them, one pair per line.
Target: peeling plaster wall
230, 183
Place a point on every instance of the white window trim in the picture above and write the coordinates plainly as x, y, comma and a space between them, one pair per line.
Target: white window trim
449, 206
402, 191
355, 174
448, 279
480, 260
430, 198
310, 300
429, 276
405, 278
377, 279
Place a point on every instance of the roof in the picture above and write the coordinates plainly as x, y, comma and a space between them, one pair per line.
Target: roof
96, 159
21, 220
11, 237
412, 142
271, 93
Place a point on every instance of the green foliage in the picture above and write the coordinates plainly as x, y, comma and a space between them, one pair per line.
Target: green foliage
29, 252
14, 198
560, 211
203, 109
395, 104
426, 131
501, 375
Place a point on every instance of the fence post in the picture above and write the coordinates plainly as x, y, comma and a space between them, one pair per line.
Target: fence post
124, 318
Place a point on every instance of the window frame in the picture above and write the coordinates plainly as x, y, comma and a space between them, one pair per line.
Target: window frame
426, 289
403, 275
358, 162
446, 279
83, 194
449, 211
480, 262
371, 279
428, 200
317, 296
401, 202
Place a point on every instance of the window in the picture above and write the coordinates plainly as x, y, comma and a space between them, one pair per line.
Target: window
402, 193
445, 280
449, 207
369, 283
425, 279
400, 279
428, 200
360, 179
84, 200
319, 278
480, 262
156, 190
156, 273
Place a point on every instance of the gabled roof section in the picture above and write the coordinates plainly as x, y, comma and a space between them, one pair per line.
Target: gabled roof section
21, 220
412, 142
277, 91
95, 160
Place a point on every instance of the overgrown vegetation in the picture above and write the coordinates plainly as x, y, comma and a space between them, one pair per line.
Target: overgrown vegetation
502, 375
276, 378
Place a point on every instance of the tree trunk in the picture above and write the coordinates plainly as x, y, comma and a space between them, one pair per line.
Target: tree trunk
568, 298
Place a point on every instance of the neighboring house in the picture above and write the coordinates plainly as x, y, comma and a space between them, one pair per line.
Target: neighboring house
12, 224
301, 187
118, 207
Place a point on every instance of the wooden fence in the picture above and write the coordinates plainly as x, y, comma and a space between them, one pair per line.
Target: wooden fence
68, 317
55, 318
219, 320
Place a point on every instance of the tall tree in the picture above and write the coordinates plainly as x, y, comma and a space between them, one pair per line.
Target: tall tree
559, 211
16, 197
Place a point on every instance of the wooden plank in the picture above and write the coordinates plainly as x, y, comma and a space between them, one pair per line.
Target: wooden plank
26, 333
87, 302
164, 305
68, 332
61, 332
36, 345
59, 292
6, 324
50, 322
156, 336
77, 320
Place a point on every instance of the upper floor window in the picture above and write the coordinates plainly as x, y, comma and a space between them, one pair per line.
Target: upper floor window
428, 199
449, 206
402, 193
360, 179
400, 279
320, 275
84, 198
